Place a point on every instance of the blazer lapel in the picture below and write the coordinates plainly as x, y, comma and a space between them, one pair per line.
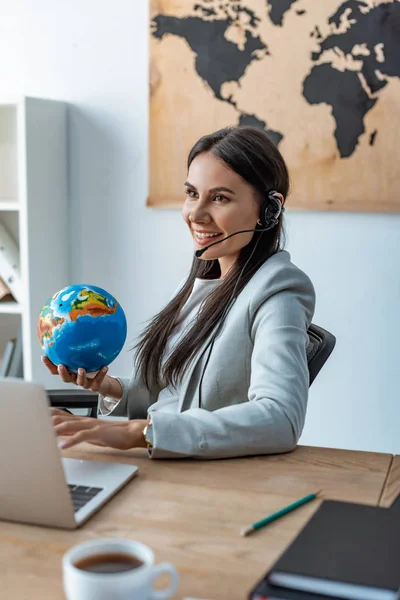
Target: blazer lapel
186, 392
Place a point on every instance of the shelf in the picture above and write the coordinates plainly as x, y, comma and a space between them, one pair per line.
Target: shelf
33, 185
9, 205
11, 307
8, 152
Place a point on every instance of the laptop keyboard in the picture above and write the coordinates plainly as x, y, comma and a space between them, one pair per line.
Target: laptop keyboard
81, 494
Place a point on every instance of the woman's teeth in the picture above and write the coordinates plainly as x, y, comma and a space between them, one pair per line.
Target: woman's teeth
206, 235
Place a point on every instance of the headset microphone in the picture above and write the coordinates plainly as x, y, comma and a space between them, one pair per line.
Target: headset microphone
269, 221
199, 253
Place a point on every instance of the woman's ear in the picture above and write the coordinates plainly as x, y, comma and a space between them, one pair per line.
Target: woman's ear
280, 197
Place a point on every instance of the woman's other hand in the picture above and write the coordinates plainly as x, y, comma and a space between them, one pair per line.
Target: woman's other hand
99, 432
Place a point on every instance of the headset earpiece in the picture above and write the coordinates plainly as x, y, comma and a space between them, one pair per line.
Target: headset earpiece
271, 210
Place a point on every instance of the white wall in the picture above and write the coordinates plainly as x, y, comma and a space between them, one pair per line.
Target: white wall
94, 55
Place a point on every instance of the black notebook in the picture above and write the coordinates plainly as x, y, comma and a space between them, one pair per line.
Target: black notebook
265, 591
396, 503
346, 550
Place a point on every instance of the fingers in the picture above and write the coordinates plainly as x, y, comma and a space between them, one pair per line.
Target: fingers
65, 375
96, 382
59, 412
51, 366
61, 370
83, 380
64, 416
99, 433
87, 435
80, 378
91, 383
71, 426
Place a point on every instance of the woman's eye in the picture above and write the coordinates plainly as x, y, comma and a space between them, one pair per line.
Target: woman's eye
190, 193
220, 198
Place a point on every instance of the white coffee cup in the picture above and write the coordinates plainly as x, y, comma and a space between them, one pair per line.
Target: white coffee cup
135, 584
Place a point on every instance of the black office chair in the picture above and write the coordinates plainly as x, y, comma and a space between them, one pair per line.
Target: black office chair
320, 346
321, 343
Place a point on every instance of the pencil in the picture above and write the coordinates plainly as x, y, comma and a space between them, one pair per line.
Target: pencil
278, 514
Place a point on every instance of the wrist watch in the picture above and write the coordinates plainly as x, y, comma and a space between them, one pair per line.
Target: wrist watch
148, 433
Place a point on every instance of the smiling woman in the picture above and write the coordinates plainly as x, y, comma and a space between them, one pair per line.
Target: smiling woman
219, 210
222, 370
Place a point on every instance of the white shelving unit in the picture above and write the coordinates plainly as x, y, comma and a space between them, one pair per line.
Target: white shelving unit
34, 210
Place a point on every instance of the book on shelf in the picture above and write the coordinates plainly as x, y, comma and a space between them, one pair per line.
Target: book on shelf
9, 264
7, 357
16, 363
5, 292
12, 361
346, 550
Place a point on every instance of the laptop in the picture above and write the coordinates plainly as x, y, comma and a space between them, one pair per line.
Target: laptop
38, 486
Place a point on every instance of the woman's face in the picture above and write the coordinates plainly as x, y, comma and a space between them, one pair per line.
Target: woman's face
219, 202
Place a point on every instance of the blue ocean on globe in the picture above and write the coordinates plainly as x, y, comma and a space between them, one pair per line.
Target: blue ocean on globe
82, 326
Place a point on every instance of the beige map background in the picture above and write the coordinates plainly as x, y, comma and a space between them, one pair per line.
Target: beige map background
183, 107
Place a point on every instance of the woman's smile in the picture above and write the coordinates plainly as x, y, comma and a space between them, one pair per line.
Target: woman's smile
203, 237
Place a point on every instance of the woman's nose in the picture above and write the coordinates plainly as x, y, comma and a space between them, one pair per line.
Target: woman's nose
199, 214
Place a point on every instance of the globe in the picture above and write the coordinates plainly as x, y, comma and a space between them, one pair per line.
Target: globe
82, 326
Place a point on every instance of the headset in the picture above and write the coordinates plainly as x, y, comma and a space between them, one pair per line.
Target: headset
270, 213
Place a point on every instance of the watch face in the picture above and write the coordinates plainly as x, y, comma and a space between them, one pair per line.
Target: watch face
149, 442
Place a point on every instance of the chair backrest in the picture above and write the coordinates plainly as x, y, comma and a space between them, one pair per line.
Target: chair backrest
320, 346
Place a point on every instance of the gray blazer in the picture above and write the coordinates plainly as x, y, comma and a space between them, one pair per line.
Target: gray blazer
255, 387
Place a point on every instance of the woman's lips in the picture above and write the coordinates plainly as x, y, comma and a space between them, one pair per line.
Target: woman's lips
204, 241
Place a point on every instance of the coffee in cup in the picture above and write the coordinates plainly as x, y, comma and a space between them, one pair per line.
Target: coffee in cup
109, 563
114, 568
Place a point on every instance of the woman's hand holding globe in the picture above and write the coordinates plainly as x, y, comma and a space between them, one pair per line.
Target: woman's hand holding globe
101, 383
81, 330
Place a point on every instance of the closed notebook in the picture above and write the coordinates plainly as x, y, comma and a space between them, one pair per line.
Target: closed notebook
396, 503
265, 591
346, 550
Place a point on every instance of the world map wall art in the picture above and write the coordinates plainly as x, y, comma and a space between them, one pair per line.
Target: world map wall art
321, 77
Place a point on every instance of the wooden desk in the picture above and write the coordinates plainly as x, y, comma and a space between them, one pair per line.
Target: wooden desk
392, 485
191, 513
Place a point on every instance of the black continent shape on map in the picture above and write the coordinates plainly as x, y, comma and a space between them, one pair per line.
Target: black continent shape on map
206, 10
254, 121
253, 19
380, 25
277, 10
218, 60
349, 101
343, 91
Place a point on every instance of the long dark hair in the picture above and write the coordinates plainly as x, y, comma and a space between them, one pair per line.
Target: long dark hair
251, 154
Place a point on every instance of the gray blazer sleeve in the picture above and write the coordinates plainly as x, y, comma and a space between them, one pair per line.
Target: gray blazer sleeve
271, 418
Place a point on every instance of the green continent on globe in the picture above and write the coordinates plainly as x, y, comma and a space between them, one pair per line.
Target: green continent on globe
47, 323
90, 303
87, 302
